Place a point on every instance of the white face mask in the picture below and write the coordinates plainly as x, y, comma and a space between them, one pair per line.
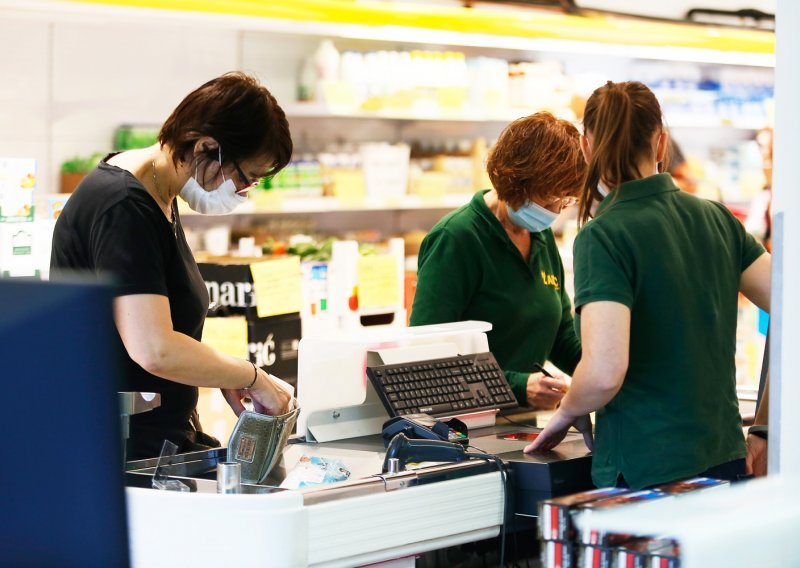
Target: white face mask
220, 201
603, 191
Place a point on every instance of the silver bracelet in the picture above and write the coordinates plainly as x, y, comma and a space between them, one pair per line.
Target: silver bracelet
255, 376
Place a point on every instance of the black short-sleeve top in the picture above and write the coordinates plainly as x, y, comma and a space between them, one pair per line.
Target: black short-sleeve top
112, 226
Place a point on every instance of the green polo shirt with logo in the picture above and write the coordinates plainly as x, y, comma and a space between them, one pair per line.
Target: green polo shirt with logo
470, 270
676, 262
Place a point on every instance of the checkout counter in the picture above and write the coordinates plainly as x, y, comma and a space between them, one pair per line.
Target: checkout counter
373, 516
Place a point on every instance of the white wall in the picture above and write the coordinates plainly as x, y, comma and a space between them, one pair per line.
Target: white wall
67, 84
24, 89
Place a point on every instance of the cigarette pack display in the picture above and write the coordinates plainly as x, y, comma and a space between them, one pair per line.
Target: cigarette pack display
666, 558
693, 484
591, 556
555, 515
600, 556
558, 554
646, 552
588, 536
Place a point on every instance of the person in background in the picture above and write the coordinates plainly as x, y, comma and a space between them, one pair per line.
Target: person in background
679, 168
657, 278
759, 217
495, 259
122, 221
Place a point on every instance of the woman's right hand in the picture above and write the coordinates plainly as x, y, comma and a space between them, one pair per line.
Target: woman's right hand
756, 456
543, 392
267, 396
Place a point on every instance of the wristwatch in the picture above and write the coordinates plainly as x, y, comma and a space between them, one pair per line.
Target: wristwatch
762, 431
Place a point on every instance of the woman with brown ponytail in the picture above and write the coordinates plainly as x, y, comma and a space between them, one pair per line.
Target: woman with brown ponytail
657, 278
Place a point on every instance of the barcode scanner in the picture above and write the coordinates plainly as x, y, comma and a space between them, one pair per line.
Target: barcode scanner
409, 451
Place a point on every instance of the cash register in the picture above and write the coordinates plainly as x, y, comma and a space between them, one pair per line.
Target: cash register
352, 384
444, 371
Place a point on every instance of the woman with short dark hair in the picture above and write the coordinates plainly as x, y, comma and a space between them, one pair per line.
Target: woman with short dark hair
496, 259
122, 221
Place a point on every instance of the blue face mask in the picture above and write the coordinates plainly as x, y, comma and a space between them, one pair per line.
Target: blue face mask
531, 216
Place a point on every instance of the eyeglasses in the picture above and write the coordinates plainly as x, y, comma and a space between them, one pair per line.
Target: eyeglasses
243, 177
566, 201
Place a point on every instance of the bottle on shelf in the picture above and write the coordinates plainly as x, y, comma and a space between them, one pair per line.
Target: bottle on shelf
327, 59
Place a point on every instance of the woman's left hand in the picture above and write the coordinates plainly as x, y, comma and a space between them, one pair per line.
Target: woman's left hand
557, 428
267, 397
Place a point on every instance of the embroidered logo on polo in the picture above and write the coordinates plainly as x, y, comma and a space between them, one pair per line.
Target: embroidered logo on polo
550, 280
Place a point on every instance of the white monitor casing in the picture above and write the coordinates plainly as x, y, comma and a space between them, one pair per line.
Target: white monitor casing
336, 399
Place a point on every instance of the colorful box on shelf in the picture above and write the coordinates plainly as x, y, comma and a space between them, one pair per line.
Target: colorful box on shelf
17, 249
367, 290
25, 248
17, 185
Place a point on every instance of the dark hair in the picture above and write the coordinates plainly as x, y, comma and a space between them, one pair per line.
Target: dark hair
239, 113
622, 118
537, 155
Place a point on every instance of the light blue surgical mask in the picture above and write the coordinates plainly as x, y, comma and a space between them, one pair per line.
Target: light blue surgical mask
603, 191
531, 216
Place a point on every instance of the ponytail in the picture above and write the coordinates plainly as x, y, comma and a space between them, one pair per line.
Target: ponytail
622, 119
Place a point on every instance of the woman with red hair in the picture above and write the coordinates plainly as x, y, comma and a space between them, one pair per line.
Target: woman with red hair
495, 259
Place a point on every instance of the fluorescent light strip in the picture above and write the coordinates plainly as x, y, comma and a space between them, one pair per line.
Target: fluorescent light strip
93, 12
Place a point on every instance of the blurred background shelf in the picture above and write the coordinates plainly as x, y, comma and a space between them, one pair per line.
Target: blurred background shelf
279, 204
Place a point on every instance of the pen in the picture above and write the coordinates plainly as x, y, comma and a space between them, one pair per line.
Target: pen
537, 368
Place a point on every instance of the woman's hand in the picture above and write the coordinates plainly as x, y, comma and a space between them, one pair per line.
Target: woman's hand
756, 456
557, 428
543, 392
267, 397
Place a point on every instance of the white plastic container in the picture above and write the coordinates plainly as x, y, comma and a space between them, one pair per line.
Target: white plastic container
385, 169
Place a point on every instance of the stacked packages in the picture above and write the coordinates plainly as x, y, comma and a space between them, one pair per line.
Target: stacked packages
567, 544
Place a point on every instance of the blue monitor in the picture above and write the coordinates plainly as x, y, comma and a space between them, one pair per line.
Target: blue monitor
62, 500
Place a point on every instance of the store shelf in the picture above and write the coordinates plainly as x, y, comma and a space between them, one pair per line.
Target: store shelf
702, 122
280, 205
316, 110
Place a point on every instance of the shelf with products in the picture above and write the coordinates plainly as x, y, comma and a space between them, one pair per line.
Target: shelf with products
317, 111
262, 203
301, 110
459, 86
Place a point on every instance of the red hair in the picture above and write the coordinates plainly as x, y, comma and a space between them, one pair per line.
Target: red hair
536, 156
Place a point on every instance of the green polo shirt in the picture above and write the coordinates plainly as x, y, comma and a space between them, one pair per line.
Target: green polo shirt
470, 270
676, 262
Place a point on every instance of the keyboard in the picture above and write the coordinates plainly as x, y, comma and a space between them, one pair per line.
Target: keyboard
443, 387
